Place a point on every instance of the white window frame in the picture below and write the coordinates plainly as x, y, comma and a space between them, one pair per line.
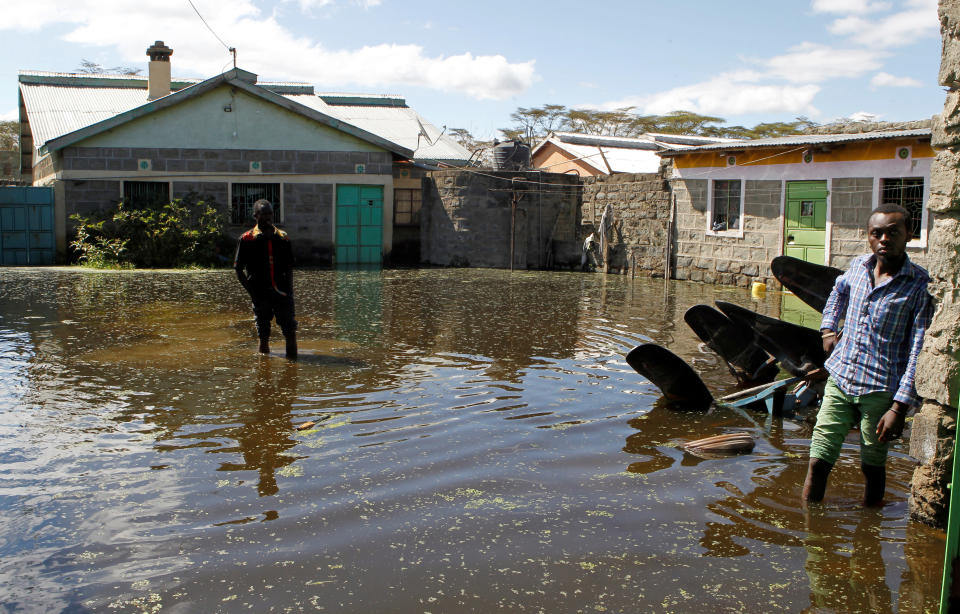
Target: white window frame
278, 212
737, 232
916, 242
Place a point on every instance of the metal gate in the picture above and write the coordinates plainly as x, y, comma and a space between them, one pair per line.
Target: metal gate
359, 236
26, 226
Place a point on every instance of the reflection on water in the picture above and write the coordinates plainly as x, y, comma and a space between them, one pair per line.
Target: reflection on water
479, 444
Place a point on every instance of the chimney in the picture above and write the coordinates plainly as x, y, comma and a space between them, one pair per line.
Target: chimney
159, 79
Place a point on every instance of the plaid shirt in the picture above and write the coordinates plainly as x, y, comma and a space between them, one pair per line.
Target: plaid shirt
883, 329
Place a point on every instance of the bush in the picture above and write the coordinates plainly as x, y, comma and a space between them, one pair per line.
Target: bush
180, 233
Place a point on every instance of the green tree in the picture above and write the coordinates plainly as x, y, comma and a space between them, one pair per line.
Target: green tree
10, 135
535, 123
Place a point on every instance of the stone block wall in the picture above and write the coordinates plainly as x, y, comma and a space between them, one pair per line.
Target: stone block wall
215, 191
851, 201
228, 161
308, 217
88, 196
938, 370
466, 218
641, 208
728, 260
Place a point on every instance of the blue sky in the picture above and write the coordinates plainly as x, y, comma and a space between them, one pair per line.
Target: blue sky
470, 64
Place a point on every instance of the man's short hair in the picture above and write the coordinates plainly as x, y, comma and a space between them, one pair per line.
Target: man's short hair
893, 208
260, 205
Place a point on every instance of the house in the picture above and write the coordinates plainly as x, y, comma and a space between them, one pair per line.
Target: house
343, 170
588, 154
740, 204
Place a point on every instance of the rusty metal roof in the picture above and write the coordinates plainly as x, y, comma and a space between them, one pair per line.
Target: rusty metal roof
800, 140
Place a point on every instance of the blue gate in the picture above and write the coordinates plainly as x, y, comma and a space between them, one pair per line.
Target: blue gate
26, 226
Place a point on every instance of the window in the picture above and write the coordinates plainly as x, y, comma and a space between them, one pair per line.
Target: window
139, 194
908, 193
243, 195
406, 206
725, 212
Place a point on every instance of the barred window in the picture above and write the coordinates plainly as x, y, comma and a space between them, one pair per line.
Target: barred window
140, 194
406, 206
243, 195
908, 193
726, 205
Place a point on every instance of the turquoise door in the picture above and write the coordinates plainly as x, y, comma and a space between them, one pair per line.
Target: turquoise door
359, 237
26, 226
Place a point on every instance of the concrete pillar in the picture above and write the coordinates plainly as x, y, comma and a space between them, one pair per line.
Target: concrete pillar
938, 372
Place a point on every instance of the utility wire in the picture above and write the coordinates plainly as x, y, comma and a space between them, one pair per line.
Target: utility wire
228, 47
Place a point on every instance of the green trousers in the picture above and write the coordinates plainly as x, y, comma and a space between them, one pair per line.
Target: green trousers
838, 413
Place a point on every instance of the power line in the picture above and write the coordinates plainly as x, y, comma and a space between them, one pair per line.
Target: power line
228, 47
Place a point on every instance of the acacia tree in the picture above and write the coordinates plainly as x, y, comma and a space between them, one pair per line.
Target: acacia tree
10, 135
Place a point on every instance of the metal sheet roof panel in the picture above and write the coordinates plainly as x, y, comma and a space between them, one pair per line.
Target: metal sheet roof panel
805, 140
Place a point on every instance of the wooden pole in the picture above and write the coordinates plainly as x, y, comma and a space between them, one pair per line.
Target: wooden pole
513, 226
666, 248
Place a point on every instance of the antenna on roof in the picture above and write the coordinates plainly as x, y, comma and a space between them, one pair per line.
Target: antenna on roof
233, 50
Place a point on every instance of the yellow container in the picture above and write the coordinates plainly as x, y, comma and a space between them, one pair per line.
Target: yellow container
758, 289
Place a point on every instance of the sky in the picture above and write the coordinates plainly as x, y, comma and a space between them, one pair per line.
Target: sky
470, 65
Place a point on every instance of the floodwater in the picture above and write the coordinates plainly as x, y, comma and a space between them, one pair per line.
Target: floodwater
480, 445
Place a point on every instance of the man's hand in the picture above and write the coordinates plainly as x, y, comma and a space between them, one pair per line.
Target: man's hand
830, 339
890, 425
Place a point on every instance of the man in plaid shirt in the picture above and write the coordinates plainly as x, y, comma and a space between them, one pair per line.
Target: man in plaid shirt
886, 309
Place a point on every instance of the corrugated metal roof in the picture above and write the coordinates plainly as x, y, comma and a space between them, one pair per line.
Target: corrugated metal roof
620, 159
804, 139
400, 125
56, 110
61, 103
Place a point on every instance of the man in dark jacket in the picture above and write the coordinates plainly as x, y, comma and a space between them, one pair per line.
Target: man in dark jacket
264, 266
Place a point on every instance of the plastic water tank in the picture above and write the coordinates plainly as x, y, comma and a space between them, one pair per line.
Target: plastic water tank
511, 156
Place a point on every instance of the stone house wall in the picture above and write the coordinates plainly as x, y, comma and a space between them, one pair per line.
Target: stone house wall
938, 371
729, 260
307, 178
641, 208
466, 219
851, 201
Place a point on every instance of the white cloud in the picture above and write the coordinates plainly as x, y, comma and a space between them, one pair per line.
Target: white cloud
266, 47
884, 79
864, 116
848, 6
10, 115
896, 30
726, 95
813, 63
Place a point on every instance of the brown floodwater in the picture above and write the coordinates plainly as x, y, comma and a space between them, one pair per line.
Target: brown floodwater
480, 444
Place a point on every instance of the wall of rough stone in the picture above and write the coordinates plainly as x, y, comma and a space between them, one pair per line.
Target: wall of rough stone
728, 260
466, 219
641, 207
308, 217
938, 371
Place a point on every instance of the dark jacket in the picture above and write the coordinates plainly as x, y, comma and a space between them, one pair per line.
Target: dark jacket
264, 262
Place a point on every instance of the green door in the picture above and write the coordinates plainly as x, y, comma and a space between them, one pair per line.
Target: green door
359, 238
805, 226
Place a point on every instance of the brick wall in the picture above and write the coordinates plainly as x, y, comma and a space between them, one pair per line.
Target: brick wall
722, 259
466, 219
230, 161
87, 196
